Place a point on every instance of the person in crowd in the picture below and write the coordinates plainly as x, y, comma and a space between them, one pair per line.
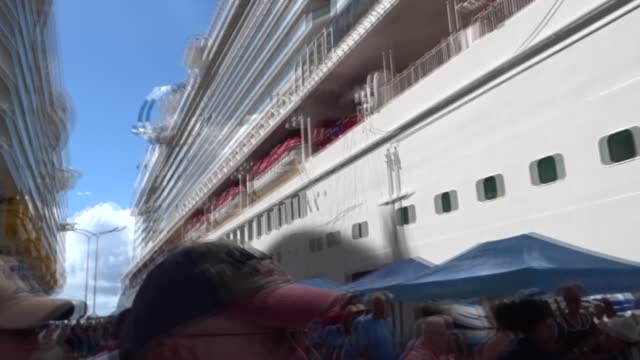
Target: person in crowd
578, 330
598, 312
500, 340
609, 310
533, 320
218, 300
374, 331
22, 317
347, 346
432, 340
575, 318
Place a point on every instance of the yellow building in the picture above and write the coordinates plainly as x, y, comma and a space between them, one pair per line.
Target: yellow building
33, 133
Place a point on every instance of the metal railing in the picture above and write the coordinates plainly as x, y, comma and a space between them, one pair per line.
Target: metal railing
483, 24
332, 43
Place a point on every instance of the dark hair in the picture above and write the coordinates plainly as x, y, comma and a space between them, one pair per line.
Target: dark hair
523, 315
426, 310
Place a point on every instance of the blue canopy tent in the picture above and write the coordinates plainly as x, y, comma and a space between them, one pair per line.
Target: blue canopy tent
321, 283
503, 267
391, 274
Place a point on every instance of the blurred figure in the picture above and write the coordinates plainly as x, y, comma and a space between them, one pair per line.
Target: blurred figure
432, 340
21, 317
575, 318
598, 312
375, 332
218, 300
608, 309
339, 340
533, 320
578, 331
501, 339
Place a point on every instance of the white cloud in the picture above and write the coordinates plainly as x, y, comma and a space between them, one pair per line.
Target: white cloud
114, 255
83, 193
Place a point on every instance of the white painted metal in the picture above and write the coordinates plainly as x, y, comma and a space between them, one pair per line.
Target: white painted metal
535, 87
561, 101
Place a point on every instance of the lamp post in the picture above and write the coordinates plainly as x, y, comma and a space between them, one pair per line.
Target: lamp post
88, 235
95, 270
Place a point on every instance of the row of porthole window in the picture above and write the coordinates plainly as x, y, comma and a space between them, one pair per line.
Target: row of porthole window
614, 148
280, 215
332, 239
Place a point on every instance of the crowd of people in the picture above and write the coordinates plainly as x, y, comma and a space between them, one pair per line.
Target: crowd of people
83, 339
219, 300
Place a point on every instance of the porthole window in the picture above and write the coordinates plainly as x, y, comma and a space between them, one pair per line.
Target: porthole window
269, 217
620, 146
295, 208
446, 202
258, 227
284, 219
250, 230
333, 239
315, 245
303, 205
277, 220
360, 230
490, 188
406, 215
242, 235
547, 170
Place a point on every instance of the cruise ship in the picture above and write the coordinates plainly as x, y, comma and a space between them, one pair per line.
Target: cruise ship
339, 136
34, 125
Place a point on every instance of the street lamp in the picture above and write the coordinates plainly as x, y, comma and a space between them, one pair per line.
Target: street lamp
88, 235
95, 270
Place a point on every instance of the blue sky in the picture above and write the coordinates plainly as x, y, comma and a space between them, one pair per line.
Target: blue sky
113, 53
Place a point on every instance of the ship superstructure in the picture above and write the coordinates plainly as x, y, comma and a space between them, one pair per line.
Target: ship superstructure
34, 129
395, 128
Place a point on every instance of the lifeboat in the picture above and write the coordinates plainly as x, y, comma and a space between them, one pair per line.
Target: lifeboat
275, 168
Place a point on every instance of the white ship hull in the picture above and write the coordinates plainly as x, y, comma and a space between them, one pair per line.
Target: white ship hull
544, 79
560, 100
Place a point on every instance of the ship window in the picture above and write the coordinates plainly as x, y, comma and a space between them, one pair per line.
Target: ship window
360, 230
242, 235
333, 239
269, 217
284, 210
276, 217
303, 205
406, 215
446, 202
315, 245
295, 208
250, 230
490, 188
547, 170
620, 146
259, 227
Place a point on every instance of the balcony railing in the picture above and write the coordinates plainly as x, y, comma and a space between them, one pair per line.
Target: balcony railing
330, 45
484, 23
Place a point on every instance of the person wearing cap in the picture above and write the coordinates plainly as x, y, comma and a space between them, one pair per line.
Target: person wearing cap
218, 299
21, 315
